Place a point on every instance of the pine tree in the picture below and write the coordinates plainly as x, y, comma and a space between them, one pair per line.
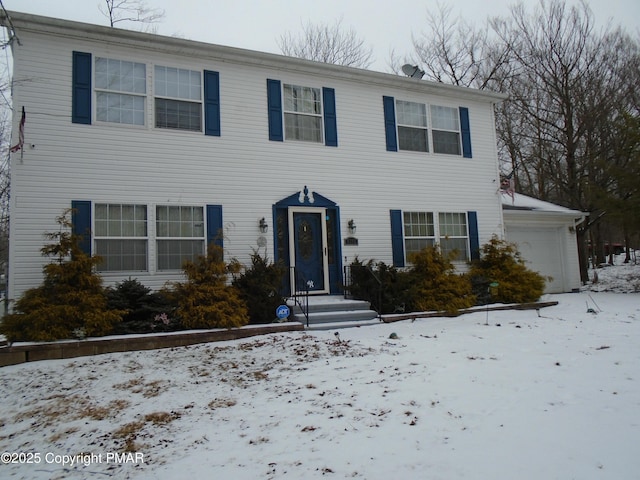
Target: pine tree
71, 300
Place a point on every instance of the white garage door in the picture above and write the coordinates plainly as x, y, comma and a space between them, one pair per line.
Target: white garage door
541, 248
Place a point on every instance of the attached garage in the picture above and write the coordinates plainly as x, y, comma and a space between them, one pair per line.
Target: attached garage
546, 238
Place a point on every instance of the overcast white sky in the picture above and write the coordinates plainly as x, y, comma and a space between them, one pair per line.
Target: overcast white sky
257, 24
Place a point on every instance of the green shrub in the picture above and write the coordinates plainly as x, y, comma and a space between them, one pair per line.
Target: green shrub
260, 286
385, 287
146, 311
501, 262
436, 285
205, 300
71, 301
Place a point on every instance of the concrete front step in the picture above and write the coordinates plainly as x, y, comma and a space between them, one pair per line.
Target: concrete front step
332, 311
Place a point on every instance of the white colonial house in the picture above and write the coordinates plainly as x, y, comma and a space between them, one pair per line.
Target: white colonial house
162, 145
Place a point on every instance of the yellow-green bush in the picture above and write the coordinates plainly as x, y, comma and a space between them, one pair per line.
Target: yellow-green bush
204, 299
500, 262
436, 285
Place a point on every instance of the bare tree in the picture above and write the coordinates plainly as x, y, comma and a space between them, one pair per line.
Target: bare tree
568, 131
328, 44
136, 11
453, 51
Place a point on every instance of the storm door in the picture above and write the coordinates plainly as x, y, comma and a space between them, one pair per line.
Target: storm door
308, 248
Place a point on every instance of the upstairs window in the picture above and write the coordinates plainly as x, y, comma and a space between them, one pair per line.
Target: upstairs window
302, 113
445, 130
121, 89
178, 98
412, 126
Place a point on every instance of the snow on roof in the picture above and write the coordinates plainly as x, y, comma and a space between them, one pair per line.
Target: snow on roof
523, 202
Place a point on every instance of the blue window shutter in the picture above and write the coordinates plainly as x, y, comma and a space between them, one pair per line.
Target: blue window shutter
81, 223
330, 120
474, 238
389, 105
397, 239
81, 88
214, 225
211, 103
274, 102
466, 132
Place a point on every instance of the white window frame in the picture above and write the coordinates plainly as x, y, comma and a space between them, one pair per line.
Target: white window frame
179, 235
115, 228
177, 90
448, 126
450, 232
109, 88
418, 127
292, 110
414, 230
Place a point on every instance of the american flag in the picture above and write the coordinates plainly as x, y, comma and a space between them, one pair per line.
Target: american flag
20, 144
508, 185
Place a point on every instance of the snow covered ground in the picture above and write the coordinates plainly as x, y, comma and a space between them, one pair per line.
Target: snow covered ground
548, 395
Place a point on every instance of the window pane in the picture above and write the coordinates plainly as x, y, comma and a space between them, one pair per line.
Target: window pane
179, 222
177, 83
178, 114
120, 76
411, 113
122, 255
119, 108
413, 139
173, 253
448, 245
303, 127
446, 142
302, 99
445, 118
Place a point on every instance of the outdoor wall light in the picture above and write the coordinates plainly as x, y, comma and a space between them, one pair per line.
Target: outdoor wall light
263, 225
352, 226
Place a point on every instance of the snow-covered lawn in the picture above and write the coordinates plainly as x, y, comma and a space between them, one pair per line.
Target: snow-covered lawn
548, 395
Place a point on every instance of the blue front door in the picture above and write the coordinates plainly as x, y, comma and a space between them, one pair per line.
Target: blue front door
309, 251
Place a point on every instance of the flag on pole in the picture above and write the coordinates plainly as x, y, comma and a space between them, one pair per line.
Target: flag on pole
20, 144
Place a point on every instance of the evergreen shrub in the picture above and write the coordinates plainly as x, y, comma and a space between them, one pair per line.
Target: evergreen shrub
71, 301
205, 300
435, 284
384, 286
260, 287
146, 311
501, 262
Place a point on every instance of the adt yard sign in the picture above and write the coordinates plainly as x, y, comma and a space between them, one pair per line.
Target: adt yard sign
282, 312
